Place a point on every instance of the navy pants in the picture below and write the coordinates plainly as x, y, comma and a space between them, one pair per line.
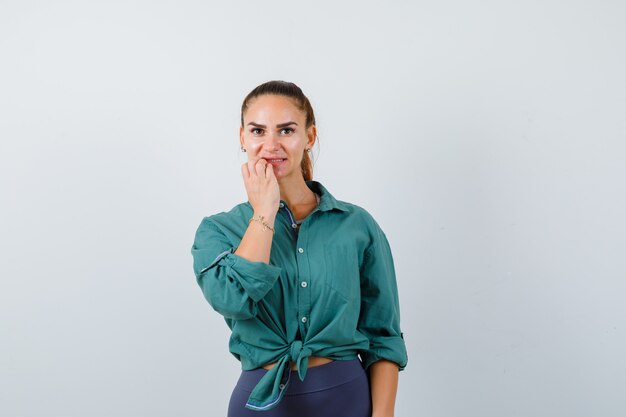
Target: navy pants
334, 389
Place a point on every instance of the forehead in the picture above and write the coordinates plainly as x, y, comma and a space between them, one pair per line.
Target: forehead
273, 107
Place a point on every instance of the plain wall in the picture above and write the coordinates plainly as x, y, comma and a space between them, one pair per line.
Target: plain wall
487, 138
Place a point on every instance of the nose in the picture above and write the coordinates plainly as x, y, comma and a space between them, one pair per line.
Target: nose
271, 142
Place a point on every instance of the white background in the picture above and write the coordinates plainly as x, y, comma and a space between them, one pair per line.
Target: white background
486, 138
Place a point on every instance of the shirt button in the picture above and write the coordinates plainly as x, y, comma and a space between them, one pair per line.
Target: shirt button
303, 284
294, 225
282, 386
300, 250
303, 319
282, 204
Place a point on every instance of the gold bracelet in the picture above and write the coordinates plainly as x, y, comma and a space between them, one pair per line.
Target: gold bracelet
262, 221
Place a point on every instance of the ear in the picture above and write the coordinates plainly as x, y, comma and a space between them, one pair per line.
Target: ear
241, 136
311, 135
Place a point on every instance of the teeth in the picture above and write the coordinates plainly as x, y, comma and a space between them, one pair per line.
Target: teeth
275, 160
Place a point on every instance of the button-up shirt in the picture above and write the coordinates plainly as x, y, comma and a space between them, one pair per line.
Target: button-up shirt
329, 290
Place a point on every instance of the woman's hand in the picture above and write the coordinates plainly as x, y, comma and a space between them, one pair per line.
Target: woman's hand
264, 196
261, 186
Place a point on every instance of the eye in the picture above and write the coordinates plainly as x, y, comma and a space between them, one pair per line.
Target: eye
287, 128
254, 129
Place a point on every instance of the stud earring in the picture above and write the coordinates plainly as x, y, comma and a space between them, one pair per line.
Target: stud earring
242, 149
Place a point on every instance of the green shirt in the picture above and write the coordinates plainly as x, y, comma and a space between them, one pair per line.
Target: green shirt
329, 290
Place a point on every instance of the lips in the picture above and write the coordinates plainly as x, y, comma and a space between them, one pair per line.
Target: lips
276, 162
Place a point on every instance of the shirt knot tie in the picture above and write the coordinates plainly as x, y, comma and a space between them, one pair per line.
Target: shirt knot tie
300, 355
271, 387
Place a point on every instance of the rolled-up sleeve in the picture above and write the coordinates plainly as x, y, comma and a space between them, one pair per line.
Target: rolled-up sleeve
379, 317
231, 284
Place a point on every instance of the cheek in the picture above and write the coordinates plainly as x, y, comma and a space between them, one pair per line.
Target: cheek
295, 146
254, 145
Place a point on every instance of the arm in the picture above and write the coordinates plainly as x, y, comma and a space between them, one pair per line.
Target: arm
379, 320
256, 243
383, 385
234, 281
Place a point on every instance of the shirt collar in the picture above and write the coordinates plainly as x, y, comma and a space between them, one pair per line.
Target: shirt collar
327, 200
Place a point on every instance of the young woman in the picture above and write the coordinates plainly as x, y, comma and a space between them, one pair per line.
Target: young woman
305, 282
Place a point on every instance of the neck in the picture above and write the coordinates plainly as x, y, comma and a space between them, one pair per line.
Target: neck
296, 192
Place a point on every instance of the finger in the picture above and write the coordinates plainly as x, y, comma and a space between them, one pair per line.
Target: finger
245, 172
260, 167
251, 167
269, 171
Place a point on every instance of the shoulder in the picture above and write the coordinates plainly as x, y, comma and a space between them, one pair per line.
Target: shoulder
357, 210
234, 218
362, 216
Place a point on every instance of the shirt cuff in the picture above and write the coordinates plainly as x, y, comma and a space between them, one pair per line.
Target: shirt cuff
391, 348
256, 277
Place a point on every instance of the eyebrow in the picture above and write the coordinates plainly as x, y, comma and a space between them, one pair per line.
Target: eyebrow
278, 125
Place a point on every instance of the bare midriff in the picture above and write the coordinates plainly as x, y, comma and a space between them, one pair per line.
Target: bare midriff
313, 361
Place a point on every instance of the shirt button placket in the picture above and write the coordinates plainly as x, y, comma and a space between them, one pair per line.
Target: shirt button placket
303, 308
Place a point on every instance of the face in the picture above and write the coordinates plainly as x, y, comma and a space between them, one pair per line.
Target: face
274, 130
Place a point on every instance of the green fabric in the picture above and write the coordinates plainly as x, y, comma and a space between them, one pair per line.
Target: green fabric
350, 299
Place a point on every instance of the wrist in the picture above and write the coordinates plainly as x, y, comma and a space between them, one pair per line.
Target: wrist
267, 224
268, 216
